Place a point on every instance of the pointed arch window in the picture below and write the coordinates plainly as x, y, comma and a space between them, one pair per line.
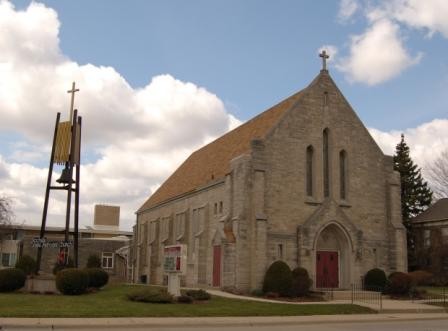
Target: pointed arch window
309, 170
343, 174
326, 163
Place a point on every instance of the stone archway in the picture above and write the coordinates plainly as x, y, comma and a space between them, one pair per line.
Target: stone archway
332, 257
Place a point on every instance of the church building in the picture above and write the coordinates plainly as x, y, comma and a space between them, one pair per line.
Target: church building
303, 182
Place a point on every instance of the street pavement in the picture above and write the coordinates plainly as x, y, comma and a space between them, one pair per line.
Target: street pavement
319, 322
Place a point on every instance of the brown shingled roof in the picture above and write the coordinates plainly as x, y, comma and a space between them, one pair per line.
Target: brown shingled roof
436, 212
213, 160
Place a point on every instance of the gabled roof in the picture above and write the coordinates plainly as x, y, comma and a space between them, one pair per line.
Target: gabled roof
436, 212
212, 161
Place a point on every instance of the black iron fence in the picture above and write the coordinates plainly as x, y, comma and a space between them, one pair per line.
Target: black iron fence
369, 295
437, 296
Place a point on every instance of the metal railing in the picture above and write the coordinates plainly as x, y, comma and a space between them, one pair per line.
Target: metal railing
437, 296
368, 295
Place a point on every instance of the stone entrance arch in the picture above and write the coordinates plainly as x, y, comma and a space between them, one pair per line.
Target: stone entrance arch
332, 257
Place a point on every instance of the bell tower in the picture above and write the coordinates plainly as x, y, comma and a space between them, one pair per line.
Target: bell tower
65, 151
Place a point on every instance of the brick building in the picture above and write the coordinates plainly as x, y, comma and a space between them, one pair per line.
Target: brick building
430, 230
303, 182
103, 238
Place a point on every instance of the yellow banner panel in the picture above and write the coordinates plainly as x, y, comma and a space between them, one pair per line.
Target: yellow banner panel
63, 137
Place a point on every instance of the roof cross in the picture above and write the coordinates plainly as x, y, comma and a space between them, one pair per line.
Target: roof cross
72, 91
324, 57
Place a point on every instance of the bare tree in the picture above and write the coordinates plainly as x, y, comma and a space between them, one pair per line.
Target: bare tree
438, 175
6, 213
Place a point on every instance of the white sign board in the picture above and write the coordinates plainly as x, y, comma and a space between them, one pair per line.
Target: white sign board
175, 259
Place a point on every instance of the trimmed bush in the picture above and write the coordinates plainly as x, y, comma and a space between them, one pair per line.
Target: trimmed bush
11, 279
300, 283
421, 278
97, 277
72, 281
278, 279
257, 292
199, 295
185, 299
58, 267
151, 295
93, 261
400, 284
375, 279
27, 264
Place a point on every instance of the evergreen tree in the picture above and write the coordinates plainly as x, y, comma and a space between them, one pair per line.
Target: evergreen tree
416, 195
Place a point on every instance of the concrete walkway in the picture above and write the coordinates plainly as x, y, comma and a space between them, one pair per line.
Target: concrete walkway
388, 305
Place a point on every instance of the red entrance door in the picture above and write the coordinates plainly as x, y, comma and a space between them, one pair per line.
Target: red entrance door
216, 266
327, 269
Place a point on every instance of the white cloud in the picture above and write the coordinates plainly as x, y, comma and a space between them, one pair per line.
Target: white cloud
426, 142
429, 15
139, 135
377, 55
347, 9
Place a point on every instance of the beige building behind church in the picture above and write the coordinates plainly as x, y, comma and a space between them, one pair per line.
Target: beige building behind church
303, 182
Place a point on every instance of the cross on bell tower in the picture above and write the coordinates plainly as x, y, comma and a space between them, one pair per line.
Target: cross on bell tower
72, 92
324, 57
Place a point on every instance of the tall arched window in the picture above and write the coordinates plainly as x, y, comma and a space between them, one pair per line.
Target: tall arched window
309, 170
326, 164
343, 174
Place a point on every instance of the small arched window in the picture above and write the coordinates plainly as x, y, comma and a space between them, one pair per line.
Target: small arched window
326, 163
343, 174
309, 170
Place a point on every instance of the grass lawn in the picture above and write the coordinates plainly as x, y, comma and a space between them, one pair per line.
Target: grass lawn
112, 302
434, 290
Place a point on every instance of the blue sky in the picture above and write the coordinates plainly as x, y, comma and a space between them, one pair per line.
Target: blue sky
222, 62
251, 54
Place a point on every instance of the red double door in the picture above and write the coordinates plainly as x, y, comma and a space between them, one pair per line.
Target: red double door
216, 266
327, 269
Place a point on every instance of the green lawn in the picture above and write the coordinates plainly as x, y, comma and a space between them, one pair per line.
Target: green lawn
434, 290
112, 302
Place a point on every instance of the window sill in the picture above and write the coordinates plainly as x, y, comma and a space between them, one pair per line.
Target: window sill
312, 201
345, 204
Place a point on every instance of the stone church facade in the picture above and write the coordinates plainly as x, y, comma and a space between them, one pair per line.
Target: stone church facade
303, 182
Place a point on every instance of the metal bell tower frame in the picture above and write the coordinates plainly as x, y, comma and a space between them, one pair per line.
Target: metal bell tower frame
66, 150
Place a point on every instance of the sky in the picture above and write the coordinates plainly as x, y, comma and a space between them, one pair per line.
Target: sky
159, 79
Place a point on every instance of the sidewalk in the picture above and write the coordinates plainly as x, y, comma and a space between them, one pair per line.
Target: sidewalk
389, 306
120, 323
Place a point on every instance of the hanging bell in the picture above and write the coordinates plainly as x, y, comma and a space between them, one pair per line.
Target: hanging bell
65, 176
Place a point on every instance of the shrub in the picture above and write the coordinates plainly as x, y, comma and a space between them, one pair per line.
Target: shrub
257, 292
420, 277
27, 264
151, 295
72, 281
278, 279
399, 283
272, 295
11, 279
58, 267
184, 299
300, 283
199, 295
93, 261
97, 277
374, 279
